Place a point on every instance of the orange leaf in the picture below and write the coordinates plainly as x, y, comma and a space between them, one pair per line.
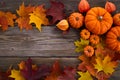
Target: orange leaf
6, 19
56, 71
23, 20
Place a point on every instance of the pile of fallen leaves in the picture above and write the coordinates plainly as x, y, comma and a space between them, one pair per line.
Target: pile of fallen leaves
29, 71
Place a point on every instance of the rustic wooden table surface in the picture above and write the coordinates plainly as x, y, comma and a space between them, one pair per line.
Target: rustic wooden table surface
45, 46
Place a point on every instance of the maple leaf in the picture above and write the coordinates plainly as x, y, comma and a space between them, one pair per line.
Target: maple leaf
56, 11
85, 76
68, 74
6, 19
105, 65
38, 17
5, 75
23, 20
56, 71
32, 72
16, 74
81, 44
87, 64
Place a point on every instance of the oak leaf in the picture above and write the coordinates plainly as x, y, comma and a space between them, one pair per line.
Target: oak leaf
84, 76
80, 45
16, 74
56, 11
106, 65
23, 20
38, 17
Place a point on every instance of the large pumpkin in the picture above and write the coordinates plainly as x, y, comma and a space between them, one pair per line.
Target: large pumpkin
98, 20
76, 20
116, 19
113, 38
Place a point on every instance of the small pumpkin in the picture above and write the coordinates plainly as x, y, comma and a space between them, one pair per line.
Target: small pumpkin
85, 34
83, 6
88, 51
94, 39
116, 19
76, 20
63, 25
113, 38
98, 20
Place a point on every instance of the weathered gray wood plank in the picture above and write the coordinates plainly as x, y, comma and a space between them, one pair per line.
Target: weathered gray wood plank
49, 42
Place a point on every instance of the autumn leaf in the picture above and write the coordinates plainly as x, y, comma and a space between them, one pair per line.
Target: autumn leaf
6, 19
33, 72
56, 11
56, 72
38, 17
80, 45
87, 64
105, 65
23, 20
85, 76
68, 74
16, 74
5, 75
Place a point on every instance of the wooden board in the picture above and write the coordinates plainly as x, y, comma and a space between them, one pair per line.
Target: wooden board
46, 46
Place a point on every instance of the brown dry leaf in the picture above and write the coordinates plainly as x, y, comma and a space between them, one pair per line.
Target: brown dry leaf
23, 20
38, 17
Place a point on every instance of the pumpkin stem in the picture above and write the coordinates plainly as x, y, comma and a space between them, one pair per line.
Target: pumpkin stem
100, 18
77, 18
118, 38
89, 50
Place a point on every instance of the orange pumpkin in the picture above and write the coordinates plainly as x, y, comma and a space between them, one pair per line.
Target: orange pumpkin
88, 51
76, 20
94, 39
85, 34
116, 19
113, 38
98, 20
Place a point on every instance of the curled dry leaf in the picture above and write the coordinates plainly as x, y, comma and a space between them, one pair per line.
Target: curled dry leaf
110, 7
63, 25
83, 6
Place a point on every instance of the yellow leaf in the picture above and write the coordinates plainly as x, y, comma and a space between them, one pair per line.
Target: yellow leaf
105, 64
16, 74
38, 17
85, 76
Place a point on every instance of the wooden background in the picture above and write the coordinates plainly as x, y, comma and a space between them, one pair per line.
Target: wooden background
46, 46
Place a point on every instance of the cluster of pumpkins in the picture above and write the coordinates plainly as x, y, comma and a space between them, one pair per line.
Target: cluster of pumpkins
98, 21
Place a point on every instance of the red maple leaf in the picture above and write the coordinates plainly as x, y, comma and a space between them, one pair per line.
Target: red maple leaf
56, 11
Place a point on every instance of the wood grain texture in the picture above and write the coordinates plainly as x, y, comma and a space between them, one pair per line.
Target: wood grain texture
49, 42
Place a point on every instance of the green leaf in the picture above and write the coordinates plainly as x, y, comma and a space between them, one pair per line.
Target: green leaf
80, 45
